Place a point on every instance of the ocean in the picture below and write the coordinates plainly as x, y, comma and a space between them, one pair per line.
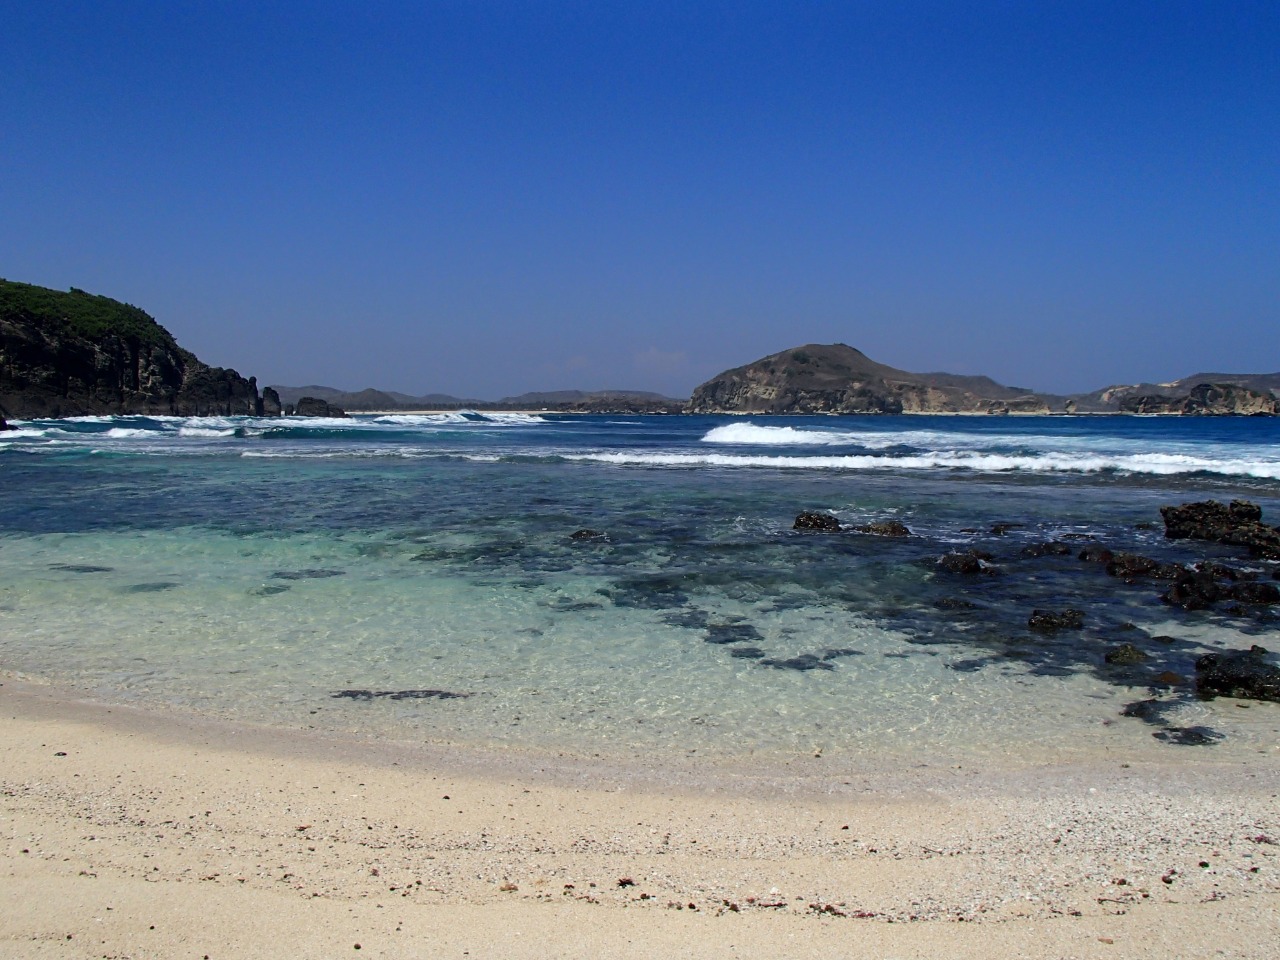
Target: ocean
417, 578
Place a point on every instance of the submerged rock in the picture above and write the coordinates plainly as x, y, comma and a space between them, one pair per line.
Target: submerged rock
1047, 621
822, 522
1254, 592
369, 695
732, 633
1189, 736
969, 563
806, 661
587, 534
1243, 674
311, 574
1237, 524
1197, 591
1096, 553
888, 528
1050, 549
1125, 655
954, 603
1127, 566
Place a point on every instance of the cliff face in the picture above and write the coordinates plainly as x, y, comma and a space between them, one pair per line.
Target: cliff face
75, 354
839, 379
1207, 400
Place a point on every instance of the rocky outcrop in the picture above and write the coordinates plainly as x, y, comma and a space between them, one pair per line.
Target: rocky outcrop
315, 407
1242, 673
74, 354
1206, 399
836, 378
271, 405
1238, 524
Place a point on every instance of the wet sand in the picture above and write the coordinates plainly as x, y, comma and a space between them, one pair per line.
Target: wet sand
129, 833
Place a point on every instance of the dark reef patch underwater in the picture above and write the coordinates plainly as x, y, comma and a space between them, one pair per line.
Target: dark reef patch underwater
906, 586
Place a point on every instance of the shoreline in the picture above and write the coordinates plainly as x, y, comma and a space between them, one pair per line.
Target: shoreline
231, 840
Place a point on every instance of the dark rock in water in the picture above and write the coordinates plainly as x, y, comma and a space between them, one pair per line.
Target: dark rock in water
1242, 674
1194, 592
747, 653
1000, 529
1096, 553
656, 592
823, 522
889, 528
3, 425
691, 619
732, 633
1169, 678
1253, 592
79, 568
315, 407
836, 653
585, 534
1148, 711
269, 590
954, 603
149, 587
1237, 524
969, 563
1189, 736
1050, 549
1047, 621
306, 574
368, 695
1164, 638
271, 406
1130, 565
806, 661
1125, 654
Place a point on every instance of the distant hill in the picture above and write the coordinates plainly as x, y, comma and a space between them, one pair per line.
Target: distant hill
836, 378
73, 353
1117, 396
577, 401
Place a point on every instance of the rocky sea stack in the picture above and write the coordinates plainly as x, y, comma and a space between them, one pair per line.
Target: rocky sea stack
77, 354
836, 378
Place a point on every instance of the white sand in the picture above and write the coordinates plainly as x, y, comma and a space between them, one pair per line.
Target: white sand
161, 836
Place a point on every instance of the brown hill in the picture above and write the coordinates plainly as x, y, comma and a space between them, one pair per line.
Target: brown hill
836, 378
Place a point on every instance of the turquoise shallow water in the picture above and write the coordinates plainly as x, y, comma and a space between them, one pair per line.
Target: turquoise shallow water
423, 569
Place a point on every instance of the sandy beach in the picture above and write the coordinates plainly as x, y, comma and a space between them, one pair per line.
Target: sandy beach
136, 834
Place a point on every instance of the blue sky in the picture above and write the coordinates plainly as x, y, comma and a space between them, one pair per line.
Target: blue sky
482, 198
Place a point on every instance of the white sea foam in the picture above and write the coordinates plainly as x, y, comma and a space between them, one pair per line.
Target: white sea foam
748, 433
1159, 464
126, 433
206, 432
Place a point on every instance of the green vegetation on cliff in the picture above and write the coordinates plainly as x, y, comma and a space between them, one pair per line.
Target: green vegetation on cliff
82, 314
74, 353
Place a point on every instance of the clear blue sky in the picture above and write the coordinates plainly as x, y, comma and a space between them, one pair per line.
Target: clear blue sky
482, 198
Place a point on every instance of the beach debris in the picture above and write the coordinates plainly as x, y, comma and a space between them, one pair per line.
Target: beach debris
626, 882
368, 695
1240, 673
1047, 621
821, 522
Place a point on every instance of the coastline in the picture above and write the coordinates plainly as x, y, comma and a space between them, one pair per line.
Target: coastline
137, 833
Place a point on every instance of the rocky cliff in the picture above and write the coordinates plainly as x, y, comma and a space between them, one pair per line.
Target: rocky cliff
74, 354
1206, 400
836, 378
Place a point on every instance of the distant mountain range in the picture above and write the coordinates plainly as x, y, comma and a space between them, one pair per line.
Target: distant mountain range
72, 353
618, 401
